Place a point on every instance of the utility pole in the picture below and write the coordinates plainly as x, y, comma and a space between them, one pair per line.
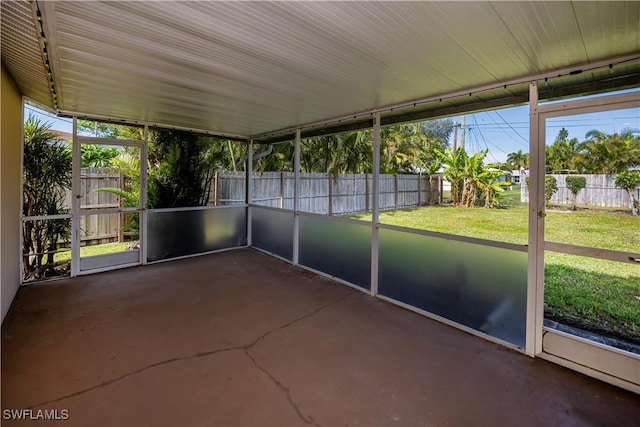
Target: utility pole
455, 136
463, 131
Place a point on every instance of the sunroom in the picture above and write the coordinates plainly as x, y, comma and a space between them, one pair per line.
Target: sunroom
306, 104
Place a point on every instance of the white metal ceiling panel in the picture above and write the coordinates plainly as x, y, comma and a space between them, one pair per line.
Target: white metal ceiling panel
22, 53
610, 27
547, 32
245, 68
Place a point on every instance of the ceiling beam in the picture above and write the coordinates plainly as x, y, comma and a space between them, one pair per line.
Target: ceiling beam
514, 97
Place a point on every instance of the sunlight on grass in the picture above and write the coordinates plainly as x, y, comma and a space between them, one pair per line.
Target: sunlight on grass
614, 230
85, 251
599, 295
506, 225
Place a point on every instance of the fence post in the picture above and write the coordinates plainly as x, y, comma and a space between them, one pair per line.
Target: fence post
120, 221
330, 194
281, 190
366, 192
395, 191
419, 179
215, 189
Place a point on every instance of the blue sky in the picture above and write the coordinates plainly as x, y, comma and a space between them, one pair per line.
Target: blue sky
507, 130
502, 131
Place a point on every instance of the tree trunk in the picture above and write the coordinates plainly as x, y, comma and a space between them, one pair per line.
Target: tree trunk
432, 190
468, 194
633, 203
27, 244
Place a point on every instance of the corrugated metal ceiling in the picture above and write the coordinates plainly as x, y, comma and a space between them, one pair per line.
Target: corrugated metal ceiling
22, 51
248, 68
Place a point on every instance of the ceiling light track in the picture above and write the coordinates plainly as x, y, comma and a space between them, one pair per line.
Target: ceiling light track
44, 49
569, 71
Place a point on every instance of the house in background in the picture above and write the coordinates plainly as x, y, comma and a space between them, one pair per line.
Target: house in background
519, 175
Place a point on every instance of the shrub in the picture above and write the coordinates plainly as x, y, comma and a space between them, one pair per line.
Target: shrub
550, 187
575, 184
46, 178
628, 181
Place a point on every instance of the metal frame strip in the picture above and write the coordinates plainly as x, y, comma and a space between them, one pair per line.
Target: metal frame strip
375, 202
296, 200
144, 177
249, 191
75, 202
109, 141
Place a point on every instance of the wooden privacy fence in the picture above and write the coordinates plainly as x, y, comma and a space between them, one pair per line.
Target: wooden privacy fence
600, 191
320, 193
103, 228
324, 193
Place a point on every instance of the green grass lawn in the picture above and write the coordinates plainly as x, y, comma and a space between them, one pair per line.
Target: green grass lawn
85, 251
602, 296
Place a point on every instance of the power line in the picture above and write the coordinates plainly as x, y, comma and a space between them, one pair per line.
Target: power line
567, 119
506, 133
486, 144
512, 128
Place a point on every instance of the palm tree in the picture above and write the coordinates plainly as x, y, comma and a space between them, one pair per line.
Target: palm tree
128, 165
561, 155
595, 153
352, 153
181, 168
518, 159
608, 153
333, 153
396, 149
46, 181
281, 159
315, 154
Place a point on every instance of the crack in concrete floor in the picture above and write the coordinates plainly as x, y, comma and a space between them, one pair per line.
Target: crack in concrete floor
284, 388
245, 348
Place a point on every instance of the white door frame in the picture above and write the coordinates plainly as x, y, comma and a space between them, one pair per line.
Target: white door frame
117, 260
606, 363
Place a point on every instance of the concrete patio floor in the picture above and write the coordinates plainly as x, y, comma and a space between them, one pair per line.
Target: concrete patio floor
239, 338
